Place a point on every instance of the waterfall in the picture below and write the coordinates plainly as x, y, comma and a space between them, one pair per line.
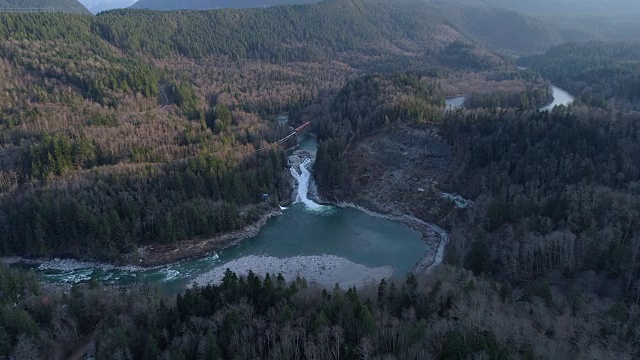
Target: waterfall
303, 178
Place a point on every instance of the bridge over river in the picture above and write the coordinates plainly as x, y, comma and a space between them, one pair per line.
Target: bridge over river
297, 131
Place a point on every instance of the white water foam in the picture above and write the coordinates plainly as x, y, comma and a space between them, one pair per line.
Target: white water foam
69, 265
170, 274
303, 178
72, 277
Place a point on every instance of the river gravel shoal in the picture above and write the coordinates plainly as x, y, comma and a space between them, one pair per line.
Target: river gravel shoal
324, 270
69, 264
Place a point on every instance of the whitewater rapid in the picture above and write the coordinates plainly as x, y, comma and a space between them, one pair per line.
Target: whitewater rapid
304, 178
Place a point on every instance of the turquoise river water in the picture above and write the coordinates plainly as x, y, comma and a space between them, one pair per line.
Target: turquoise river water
300, 231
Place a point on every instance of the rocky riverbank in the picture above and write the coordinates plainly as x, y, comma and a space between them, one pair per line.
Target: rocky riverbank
435, 237
153, 256
67, 264
324, 270
157, 255
395, 174
298, 157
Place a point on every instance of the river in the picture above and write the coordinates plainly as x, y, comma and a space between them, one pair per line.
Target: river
560, 97
322, 243
455, 103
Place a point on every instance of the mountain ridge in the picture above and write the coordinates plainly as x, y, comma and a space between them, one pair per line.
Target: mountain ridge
347, 24
213, 4
72, 6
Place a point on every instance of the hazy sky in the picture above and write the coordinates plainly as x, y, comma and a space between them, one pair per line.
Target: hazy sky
101, 5
594, 7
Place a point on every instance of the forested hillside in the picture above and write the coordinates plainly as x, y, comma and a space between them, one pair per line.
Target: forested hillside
362, 107
306, 32
370, 103
180, 111
139, 128
577, 20
213, 4
110, 146
555, 194
554, 191
602, 74
561, 195
72, 6
312, 31
534, 92
566, 7
450, 315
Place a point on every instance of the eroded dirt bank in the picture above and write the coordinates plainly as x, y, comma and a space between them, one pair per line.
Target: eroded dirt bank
400, 170
156, 255
399, 174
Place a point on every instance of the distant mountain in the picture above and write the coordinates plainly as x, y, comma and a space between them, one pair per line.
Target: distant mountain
35, 5
497, 28
574, 20
213, 4
284, 32
96, 6
569, 7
